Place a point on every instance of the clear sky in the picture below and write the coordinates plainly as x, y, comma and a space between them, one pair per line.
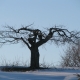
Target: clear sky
44, 14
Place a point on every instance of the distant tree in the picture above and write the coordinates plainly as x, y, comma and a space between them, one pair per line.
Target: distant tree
34, 38
71, 58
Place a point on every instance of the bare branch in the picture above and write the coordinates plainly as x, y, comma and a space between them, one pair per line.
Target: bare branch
36, 36
25, 43
59, 35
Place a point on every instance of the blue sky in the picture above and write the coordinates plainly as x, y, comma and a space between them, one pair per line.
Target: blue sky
44, 14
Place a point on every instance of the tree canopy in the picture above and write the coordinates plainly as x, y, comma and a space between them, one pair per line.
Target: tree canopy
55, 34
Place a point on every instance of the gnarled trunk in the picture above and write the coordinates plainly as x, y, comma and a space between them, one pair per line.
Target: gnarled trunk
34, 58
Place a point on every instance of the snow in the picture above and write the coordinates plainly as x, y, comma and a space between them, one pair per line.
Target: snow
47, 74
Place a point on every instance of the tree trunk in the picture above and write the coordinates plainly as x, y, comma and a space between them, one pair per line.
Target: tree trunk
34, 58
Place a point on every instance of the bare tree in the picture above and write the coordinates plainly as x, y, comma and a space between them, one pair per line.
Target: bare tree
34, 38
72, 56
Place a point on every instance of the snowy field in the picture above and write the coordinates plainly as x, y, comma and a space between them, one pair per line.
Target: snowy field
48, 74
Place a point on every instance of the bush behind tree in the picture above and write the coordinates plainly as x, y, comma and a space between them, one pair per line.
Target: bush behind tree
72, 56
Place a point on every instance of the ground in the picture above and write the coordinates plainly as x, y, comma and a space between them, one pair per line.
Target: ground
47, 74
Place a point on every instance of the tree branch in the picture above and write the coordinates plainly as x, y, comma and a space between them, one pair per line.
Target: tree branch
37, 37
42, 41
25, 42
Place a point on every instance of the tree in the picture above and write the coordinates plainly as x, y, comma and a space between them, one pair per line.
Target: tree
34, 38
72, 56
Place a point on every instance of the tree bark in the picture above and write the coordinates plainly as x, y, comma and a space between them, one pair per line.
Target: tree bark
34, 64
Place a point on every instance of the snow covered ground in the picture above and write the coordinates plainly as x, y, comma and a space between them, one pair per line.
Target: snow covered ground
48, 74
